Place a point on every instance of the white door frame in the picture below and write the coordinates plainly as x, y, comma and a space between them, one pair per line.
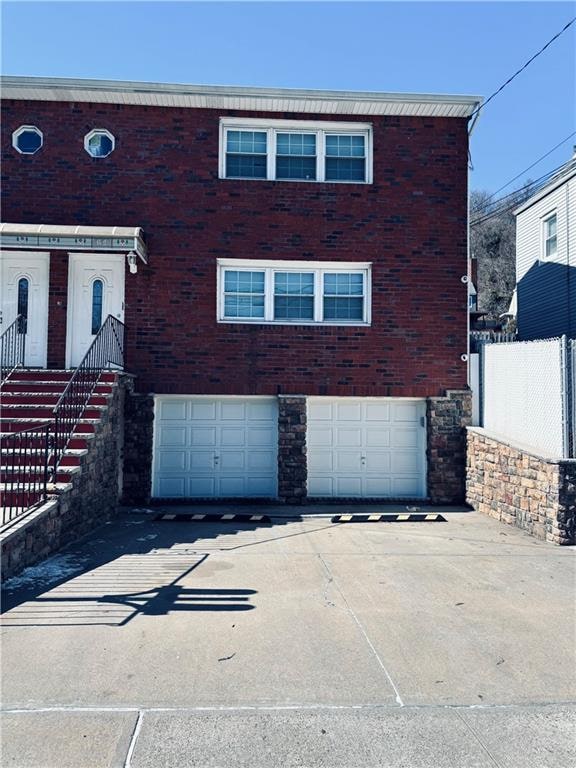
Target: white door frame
75, 258
39, 256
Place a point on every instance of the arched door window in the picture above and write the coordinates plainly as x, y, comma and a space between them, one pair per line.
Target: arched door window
23, 291
97, 295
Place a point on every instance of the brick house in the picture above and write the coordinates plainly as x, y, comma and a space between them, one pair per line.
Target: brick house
290, 267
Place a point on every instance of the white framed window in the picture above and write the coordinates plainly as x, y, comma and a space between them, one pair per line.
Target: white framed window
295, 150
27, 139
549, 236
294, 292
99, 142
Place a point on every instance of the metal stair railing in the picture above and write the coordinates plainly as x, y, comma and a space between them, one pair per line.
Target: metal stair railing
12, 347
106, 349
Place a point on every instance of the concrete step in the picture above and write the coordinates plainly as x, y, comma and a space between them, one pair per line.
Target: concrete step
85, 426
47, 412
46, 399
30, 474
35, 457
49, 387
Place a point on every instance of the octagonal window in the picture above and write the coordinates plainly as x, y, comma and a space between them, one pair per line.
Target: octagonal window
99, 143
27, 139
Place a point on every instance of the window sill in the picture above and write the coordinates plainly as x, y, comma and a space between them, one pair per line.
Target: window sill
294, 181
296, 323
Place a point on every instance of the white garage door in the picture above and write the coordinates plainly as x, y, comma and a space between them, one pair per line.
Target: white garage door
366, 447
215, 447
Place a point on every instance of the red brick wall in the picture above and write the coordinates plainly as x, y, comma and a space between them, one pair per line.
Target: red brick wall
410, 223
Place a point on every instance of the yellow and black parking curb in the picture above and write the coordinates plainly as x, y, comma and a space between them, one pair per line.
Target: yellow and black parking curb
213, 518
389, 518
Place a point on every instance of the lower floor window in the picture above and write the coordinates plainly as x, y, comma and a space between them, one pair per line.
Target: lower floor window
293, 292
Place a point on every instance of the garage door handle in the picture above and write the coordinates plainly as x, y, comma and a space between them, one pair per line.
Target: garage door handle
216, 459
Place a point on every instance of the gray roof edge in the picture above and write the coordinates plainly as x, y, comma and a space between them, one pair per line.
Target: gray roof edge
128, 86
556, 181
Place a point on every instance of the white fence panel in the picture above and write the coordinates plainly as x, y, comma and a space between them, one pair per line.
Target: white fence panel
524, 386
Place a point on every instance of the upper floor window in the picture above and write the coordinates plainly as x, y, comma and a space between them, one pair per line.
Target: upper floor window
295, 150
27, 139
301, 292
550, 236
99, 143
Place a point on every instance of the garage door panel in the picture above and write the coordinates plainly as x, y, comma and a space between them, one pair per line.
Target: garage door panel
378, 437
321, 461
348, 438
378, 462
203, 436
349, 411
404, 462
405, 438
203, 410
321, 437
347, 461
406, 486
173, 410
319, 411
348, 486
201, 460
378, 487
261, 411
406, 412
232, 460
172, 487
258, 436
321, 486
172, 436
227, 447
261, 461
173, 461
377, 412
232, 436
200, 487
232, 411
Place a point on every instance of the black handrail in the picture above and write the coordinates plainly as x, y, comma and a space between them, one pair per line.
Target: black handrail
12, 347
106, 349
24, 473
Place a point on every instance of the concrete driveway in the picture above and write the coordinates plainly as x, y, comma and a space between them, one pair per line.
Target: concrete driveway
303, 643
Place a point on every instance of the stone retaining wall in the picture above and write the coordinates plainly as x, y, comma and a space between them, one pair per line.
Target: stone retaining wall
91, 501
521, 488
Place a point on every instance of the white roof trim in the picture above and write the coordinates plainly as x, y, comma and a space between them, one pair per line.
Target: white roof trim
238, 97
74, 238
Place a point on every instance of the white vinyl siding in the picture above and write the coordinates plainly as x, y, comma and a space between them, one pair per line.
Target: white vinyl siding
367, 448
215, 447
530, 246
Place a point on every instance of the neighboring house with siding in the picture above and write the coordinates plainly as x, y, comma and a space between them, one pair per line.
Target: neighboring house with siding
545, 299
290, 267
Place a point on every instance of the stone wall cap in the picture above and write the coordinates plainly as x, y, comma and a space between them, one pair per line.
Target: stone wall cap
518, 446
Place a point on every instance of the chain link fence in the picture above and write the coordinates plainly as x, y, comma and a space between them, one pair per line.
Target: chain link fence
528, 394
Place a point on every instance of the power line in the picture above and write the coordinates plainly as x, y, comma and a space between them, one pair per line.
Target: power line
492, 205
532, 166
489, 99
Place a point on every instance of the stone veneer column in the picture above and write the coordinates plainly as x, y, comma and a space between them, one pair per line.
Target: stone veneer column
138, 435
292, 466
447, 419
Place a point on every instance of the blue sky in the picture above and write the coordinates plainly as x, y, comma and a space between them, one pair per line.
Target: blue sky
452, 47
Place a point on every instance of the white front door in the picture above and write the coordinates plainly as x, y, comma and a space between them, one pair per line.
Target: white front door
368, 447
215, 447
95, 290
24, 280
